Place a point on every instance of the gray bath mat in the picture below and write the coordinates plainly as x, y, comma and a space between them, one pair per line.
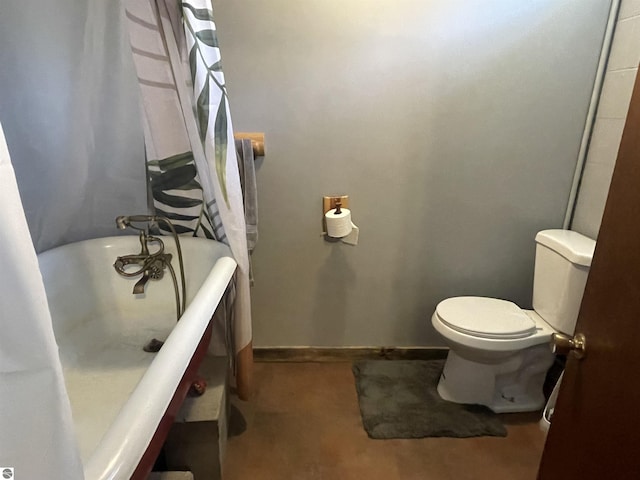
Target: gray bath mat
398, 399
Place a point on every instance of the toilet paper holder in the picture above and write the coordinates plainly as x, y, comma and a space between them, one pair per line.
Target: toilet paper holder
342, 227
329, 203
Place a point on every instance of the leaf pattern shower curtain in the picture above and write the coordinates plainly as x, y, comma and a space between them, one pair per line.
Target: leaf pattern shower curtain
191, 158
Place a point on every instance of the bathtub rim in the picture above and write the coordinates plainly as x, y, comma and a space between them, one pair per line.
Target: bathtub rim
147, 461
118, 453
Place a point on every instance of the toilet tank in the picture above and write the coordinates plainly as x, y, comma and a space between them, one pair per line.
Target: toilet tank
563, 259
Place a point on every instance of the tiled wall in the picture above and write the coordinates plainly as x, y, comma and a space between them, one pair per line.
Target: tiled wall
610, 119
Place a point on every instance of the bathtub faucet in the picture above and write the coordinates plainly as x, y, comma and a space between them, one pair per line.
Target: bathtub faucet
151, 265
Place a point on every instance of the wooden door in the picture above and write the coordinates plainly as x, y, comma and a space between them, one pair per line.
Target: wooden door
595, 431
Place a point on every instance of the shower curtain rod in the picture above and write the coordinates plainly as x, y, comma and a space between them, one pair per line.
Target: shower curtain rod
257, 141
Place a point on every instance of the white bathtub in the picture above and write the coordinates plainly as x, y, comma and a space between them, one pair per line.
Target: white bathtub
119, 394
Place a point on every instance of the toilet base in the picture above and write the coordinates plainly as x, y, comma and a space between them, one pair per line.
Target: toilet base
512, 384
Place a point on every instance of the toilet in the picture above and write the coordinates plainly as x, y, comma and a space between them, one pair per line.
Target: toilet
499, 354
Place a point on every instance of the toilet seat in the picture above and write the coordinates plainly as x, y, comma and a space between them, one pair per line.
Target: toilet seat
483, 317
540, 333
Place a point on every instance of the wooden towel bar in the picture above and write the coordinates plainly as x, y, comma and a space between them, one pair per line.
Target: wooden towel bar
257, 141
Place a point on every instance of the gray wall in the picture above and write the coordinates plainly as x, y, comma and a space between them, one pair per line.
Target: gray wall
610, 118
453, 126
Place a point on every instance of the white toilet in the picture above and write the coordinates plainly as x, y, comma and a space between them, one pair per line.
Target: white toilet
499, 354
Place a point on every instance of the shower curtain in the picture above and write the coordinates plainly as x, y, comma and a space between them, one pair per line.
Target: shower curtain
69, 104
70, 107
70, 115
191, 157
36, 430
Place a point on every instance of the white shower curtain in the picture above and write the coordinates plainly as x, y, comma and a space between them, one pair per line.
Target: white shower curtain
69, 105
36, 431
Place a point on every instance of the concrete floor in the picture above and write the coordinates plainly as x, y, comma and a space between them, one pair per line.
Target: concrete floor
304, 423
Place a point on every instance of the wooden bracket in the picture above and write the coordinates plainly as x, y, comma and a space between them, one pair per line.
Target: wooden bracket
257, 141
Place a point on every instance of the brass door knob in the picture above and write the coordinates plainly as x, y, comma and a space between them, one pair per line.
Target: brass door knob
564, 344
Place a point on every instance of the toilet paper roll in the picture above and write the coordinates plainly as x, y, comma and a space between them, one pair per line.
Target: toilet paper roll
338, 224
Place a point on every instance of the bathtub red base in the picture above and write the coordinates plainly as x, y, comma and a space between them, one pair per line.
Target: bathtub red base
190, 375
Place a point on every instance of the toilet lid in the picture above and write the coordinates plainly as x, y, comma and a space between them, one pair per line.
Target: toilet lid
485, 317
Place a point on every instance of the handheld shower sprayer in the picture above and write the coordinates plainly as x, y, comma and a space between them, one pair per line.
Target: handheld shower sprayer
124, 221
